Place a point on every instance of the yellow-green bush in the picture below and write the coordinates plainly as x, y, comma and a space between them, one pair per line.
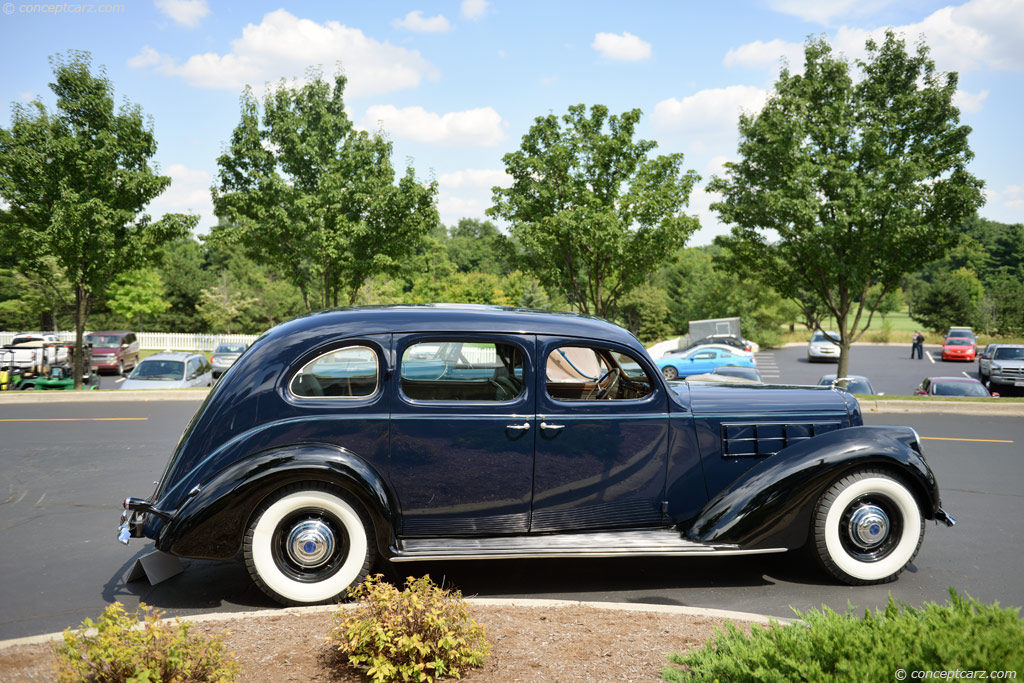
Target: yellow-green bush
125, 650
962, 635
419, 634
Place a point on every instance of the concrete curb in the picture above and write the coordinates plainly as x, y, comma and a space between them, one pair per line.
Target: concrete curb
895, 407
482, 602
103, 396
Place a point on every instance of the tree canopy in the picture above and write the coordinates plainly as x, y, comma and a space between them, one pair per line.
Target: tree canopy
847, 184
592, 212
301, 190
75, 183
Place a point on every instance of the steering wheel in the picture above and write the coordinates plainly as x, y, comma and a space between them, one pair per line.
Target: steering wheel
613, 381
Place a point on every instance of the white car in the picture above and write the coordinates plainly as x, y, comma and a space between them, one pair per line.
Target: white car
821, 346
170, 370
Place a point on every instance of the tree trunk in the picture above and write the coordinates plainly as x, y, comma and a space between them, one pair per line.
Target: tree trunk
81, 313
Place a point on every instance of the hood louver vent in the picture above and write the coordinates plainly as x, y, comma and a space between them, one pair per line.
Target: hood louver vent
760, 439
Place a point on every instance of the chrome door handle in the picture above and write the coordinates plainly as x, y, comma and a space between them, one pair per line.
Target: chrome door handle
523, 427
545, 425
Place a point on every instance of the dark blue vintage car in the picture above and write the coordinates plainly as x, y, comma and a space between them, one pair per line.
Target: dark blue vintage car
449, 432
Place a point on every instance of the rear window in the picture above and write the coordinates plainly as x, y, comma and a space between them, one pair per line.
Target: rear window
346, 373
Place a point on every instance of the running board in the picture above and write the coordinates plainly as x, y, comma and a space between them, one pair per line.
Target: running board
645, 542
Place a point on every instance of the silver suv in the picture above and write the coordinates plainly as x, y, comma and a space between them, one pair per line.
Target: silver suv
1007, 366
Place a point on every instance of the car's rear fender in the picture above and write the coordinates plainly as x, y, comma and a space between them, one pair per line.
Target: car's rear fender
771, 504
210, 524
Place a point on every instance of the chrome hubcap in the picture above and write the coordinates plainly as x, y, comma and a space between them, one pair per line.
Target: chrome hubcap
310, 543
869, 526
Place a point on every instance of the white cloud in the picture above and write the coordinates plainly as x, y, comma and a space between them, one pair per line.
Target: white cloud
415, 21
474, 179
970, 103
26, 96
451, 209
474, 9
708, 119
284, 46
824, 12
185, 12
481, 127
189, 193
625, 47
978, 34
710, 227
759, 54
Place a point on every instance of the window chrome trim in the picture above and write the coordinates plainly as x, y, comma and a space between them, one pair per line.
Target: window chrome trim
376, 375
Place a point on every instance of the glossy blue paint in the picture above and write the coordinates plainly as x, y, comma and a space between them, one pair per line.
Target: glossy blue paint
700, 361
461, 467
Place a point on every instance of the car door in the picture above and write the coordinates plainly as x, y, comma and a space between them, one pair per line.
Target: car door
462, 433
700, 362
602, 438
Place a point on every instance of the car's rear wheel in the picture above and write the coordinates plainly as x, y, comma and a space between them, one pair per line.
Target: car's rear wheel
308, 544
670, 372
867, 528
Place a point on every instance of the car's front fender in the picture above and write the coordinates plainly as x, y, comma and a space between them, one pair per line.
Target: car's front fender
771, 504
212, 522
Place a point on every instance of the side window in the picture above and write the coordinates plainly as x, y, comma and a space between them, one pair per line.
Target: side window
704, 355
581, 373
349, 372
456, 370
193, 368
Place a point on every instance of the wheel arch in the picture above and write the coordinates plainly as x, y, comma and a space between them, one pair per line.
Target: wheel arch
772, 504
211, 524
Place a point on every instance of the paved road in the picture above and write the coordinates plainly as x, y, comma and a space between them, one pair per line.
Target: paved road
61, 481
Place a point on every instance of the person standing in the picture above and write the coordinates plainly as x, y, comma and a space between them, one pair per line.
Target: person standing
918, 345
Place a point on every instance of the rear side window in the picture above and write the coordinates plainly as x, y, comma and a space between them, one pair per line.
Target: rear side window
350, 372
458, 370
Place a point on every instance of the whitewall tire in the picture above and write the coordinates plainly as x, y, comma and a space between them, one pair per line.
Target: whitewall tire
867, 528
308, 544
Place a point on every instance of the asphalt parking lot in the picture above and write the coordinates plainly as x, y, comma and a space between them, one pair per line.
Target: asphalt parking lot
889, 367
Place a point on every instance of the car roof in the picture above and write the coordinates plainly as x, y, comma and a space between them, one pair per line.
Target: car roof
172, 355
450, 318
952, 379
1008, 346
109, 332
832, 375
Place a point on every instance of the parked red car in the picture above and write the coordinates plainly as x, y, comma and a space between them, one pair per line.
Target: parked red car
115, 350
958, 348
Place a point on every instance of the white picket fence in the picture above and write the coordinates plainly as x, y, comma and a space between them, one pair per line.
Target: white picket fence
178, 341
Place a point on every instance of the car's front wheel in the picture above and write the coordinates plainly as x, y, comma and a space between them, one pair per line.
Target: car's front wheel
308, 544
670, 372
867, 528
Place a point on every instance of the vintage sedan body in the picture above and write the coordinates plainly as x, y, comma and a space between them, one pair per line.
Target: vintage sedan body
451, 432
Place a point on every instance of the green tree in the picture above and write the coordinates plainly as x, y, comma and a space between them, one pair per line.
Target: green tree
137, 293
848, 183
951, 300
75, 183
644, 311
223, 304
302, 190
592, 212
186, 272
476, 245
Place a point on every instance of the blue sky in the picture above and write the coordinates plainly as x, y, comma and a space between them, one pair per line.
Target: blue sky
457, 84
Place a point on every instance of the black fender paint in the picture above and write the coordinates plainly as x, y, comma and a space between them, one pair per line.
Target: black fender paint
212, 523
771, 504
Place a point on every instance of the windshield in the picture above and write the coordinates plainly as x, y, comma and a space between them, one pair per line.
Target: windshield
958, 342
159, 369
819, 336
733, 371
958, 389
1009, 354
103, 339
230, 348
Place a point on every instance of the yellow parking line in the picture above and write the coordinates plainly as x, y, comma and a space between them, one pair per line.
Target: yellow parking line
74, 419
949, 438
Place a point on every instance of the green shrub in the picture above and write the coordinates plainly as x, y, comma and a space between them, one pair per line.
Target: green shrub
153, 651
962, 634
419, 634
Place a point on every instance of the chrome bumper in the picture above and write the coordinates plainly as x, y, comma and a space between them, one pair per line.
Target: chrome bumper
944, 517
132, 517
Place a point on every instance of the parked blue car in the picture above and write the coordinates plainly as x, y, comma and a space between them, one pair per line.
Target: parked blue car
445, 432
701, 360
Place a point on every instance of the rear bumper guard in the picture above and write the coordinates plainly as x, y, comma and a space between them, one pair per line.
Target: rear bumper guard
133, 516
